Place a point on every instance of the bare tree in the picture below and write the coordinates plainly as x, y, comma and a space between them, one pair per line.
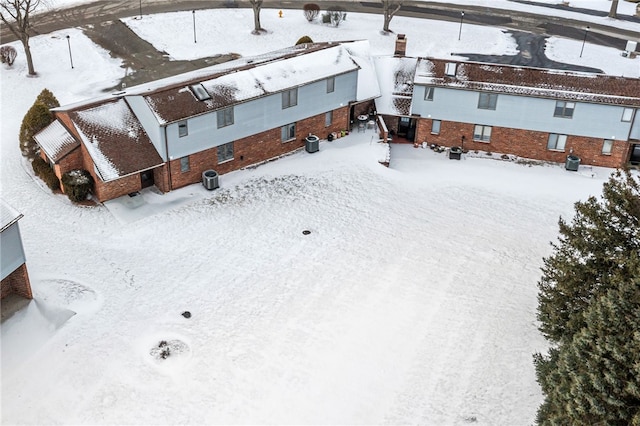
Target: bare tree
15, 14
614, 9
256, 5
389, 8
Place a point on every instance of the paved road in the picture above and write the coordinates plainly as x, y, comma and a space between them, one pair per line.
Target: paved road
100, 21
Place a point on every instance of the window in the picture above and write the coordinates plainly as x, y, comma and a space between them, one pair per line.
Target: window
564, 109
627, 113
482, 133
435, 127
450, 69
428, 94
288, 132
331, 84
225, 152
328, 119
487, 100
184, 164
607, 146
557, 142
289, 98
183, 130
225, 117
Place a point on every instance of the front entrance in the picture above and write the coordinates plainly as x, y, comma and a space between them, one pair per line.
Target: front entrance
146, 178
635, 154
407, 128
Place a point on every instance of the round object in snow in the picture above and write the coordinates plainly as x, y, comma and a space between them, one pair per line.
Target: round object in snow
306, 232
186, 314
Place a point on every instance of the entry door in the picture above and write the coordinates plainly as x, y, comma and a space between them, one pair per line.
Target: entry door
635, 154
146, 178
403, 126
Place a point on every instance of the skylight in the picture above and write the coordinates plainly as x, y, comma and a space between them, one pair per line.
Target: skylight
200, 92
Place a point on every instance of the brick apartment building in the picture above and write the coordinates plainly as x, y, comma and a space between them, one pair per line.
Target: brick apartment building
15, 278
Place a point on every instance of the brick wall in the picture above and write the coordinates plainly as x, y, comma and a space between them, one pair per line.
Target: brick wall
256, 148
18, 283
524, 143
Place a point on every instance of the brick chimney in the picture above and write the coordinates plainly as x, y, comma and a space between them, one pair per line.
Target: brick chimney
401, 45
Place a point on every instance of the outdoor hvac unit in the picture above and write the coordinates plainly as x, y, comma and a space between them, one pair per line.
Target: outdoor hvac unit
312, 143
210, 179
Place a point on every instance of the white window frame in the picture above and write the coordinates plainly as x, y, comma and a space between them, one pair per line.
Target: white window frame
184, 164
225, 117
482, 133
435, 128
328, 118
183, 128
225, 152
607, 146
289, 98
331, 84
627, 115
288, 132
487, 100
428, 93
556, 142
564, 109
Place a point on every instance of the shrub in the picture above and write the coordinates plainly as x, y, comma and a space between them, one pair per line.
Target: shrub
37, 118
47, 98
44, 171
8, 55
304, 40
336, 15
78, 184
311, 11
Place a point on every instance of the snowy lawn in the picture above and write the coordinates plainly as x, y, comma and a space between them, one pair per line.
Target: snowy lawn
411, 300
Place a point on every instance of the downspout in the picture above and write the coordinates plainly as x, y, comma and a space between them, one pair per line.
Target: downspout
166, 149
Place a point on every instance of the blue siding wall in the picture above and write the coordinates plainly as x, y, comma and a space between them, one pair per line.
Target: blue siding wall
635, 129
521, 112
11, 249
260, 115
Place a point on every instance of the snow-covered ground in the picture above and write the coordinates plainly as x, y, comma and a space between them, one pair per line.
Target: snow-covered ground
411, 300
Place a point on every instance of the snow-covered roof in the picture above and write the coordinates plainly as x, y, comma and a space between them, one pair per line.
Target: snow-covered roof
527, 81
8, 215
395, 77
115, 140
251, 79
56, 141
360, 52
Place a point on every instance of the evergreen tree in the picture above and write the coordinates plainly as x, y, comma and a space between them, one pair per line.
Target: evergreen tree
595, 378
37, 118
595, 245
47, 98
589, 308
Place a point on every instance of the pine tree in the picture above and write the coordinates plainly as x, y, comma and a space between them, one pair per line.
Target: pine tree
589, 309
591, 248
595, 378
37, 118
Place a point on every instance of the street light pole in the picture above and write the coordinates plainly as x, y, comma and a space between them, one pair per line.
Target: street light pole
140, 3
461, 18
586, 31
194, 26
69, 44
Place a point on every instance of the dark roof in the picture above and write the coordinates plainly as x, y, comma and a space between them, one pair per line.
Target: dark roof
245, 79
115, 140
517, 80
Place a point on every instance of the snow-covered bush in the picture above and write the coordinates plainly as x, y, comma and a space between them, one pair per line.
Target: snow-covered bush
8, 55
311, 11
78, 184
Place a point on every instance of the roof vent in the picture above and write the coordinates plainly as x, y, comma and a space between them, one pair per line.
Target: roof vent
450, 69
200, 92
